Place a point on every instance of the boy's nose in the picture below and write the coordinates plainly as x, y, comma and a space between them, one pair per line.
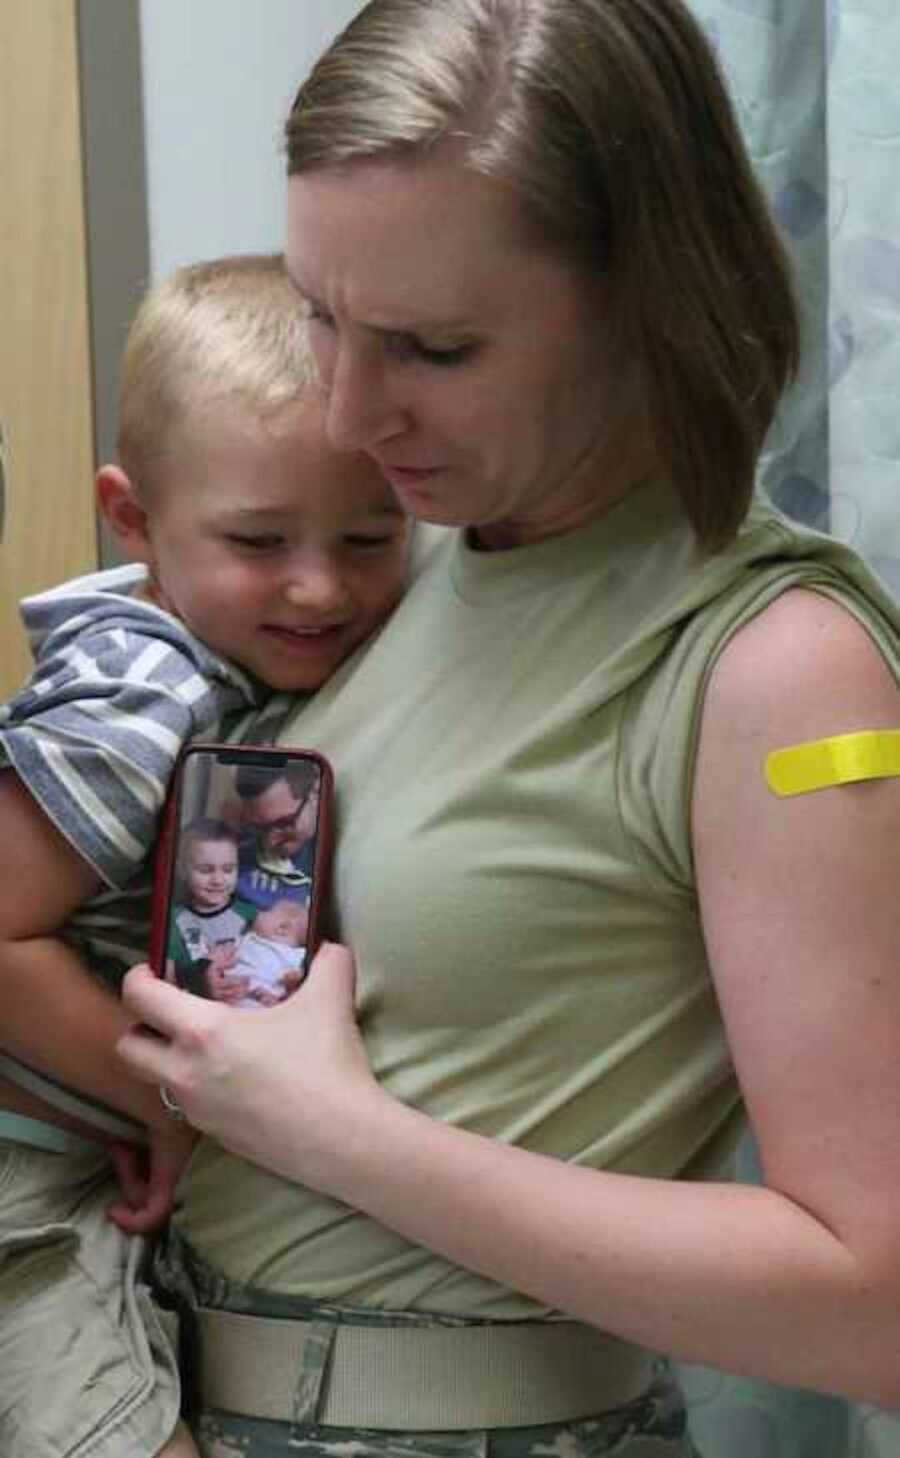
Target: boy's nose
316, 586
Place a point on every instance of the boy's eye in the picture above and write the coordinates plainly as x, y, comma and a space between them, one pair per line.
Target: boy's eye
372, 543
264, 542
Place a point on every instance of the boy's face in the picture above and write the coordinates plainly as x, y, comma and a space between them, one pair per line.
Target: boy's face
277, 552
211, 873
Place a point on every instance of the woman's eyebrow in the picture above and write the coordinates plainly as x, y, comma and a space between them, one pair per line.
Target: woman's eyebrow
415, 328
411, 327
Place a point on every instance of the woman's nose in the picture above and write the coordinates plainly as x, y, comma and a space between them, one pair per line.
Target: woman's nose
360, 410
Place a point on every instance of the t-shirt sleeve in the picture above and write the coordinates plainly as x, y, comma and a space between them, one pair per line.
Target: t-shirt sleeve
177, 950
245, 909
95, 738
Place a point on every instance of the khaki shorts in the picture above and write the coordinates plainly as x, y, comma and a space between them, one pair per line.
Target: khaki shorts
85, 1368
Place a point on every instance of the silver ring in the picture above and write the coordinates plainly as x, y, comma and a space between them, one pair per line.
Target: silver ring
170, 1103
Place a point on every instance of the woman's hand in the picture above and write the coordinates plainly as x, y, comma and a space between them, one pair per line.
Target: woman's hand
280, 1086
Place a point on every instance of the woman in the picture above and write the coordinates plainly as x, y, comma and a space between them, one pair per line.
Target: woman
546, 298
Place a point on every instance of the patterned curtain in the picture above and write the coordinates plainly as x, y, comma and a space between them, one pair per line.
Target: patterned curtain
817, 84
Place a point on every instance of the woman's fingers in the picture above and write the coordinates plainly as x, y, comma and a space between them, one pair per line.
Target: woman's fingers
332, 974
164, 1014
147, 1056
232, 1069
158, 1005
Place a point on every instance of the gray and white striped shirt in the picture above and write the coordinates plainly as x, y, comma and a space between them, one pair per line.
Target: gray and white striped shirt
119, 685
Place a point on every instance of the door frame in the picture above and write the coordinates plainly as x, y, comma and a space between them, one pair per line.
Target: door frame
115, 199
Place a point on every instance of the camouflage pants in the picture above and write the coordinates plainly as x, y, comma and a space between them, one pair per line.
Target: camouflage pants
653, 1426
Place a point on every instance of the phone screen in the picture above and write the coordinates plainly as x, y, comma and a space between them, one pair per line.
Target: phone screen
240, 879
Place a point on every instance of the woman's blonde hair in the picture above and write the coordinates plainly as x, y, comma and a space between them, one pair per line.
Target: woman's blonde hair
227, 330
610, 120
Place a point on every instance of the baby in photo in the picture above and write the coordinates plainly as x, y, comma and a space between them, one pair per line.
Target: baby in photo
271, 957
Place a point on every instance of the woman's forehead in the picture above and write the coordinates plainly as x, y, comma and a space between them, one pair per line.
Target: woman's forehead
399, 245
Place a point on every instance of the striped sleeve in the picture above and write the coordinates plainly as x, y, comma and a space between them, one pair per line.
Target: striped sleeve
95, 733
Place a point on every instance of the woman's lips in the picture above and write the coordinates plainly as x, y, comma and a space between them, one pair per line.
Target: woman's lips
409, 480
408, 473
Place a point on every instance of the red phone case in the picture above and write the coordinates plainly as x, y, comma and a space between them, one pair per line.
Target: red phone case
166, 853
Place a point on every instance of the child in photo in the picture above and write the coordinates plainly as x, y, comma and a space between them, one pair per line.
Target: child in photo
258, 560
208, 920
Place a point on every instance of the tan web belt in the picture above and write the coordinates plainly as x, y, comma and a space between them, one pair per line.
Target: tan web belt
413, 1378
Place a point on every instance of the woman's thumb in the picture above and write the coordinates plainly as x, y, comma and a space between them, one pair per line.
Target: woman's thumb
332, 973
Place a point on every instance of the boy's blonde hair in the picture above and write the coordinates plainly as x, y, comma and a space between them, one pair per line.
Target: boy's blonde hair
229, 330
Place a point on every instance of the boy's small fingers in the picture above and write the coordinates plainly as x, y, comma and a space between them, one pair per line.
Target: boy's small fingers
127, 1165
122, 1215
136, 1222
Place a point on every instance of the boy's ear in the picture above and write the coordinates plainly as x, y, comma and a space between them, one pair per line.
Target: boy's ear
118, 500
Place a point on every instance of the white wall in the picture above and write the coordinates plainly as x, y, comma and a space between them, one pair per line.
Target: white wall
219, 76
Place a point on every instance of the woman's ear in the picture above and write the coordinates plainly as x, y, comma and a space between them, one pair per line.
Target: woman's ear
120, 503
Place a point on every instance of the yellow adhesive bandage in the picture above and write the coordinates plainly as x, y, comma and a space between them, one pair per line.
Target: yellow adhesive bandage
873, 754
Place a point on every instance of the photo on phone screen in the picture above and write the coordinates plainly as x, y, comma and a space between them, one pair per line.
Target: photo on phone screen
240, 880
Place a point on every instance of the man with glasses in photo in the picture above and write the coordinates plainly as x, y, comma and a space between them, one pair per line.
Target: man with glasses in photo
279, 813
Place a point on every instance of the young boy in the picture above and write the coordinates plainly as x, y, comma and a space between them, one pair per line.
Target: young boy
259, 561
208, 920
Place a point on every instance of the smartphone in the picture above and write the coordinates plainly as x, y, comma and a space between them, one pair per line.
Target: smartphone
241, 871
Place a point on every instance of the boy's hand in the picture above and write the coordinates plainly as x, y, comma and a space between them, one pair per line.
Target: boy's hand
265, 997
225, 986
147, 1177
223, 956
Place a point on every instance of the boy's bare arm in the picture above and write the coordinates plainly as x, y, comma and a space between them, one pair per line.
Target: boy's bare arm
56, 1017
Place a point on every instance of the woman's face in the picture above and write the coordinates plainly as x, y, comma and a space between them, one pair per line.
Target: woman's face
472, 366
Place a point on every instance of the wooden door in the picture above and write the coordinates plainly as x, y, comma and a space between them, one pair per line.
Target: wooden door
46, 416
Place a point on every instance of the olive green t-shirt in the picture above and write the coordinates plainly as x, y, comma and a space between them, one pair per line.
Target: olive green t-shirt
513, 756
